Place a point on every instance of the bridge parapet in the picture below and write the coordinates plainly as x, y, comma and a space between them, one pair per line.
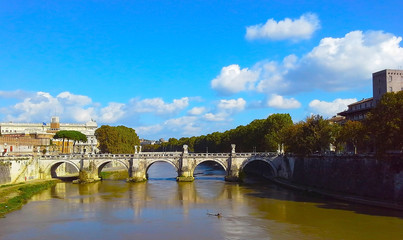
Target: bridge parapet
102, 156
159, 154
258, 154
209, 155
59, 157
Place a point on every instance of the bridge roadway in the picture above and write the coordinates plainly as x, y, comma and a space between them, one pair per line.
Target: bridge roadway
90, 165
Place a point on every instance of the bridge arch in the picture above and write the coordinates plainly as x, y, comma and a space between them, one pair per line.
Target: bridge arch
219, 161
50, 170
171, 162
255, 159
103, 163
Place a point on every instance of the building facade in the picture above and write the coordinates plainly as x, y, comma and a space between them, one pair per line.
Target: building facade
15, 137
388, 80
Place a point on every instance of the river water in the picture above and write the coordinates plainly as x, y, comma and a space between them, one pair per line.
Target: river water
165, 209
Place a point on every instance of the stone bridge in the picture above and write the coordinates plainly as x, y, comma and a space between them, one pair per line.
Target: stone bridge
90, 165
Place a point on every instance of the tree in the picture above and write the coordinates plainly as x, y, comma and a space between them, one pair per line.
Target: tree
313, 135
352, 132
275, 126
70, 135
384, 123
61, 134
78, 137
118, 139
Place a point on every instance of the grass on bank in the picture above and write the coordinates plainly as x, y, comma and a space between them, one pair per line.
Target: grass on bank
13, 196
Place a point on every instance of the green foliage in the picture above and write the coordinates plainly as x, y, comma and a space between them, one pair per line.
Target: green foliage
24, 193
352, 132
384, 123
312, 136
260, 135
76, 136
118, 139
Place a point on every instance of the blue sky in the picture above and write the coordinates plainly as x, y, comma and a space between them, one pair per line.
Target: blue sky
184, 68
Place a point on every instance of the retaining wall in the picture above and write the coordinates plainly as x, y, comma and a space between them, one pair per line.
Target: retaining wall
363, 176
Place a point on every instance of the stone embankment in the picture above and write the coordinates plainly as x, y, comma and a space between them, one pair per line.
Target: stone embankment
356, 178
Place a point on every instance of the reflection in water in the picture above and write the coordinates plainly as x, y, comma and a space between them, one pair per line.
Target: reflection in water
161, 171
165, 209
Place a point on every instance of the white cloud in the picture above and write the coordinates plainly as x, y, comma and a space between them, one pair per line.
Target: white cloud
225, 109
329, 109
336, 64
38, 107
72, 99
301, 28
272, 75
233, 79
158, 106
348, 62
41, 106
112, 113
149, 130
197, 110
79, 114
183, 126
218, 117
186, 125
279, 102
231, 105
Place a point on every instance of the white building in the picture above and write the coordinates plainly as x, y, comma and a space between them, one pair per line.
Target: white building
48, 130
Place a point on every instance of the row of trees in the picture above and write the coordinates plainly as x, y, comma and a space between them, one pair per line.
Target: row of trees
260, 135
382, 130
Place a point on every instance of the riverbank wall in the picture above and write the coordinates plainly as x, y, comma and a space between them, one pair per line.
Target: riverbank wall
355, 176
16, 169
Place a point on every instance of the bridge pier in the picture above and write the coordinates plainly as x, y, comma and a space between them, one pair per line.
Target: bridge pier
88, 171
233, 174
185, 173
137, 171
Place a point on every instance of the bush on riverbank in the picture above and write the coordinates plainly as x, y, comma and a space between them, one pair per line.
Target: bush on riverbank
23, 194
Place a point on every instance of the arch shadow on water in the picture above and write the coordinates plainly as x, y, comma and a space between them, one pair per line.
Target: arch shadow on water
263, 187
209, 170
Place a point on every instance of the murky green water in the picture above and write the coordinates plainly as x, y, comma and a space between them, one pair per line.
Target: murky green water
164, 209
